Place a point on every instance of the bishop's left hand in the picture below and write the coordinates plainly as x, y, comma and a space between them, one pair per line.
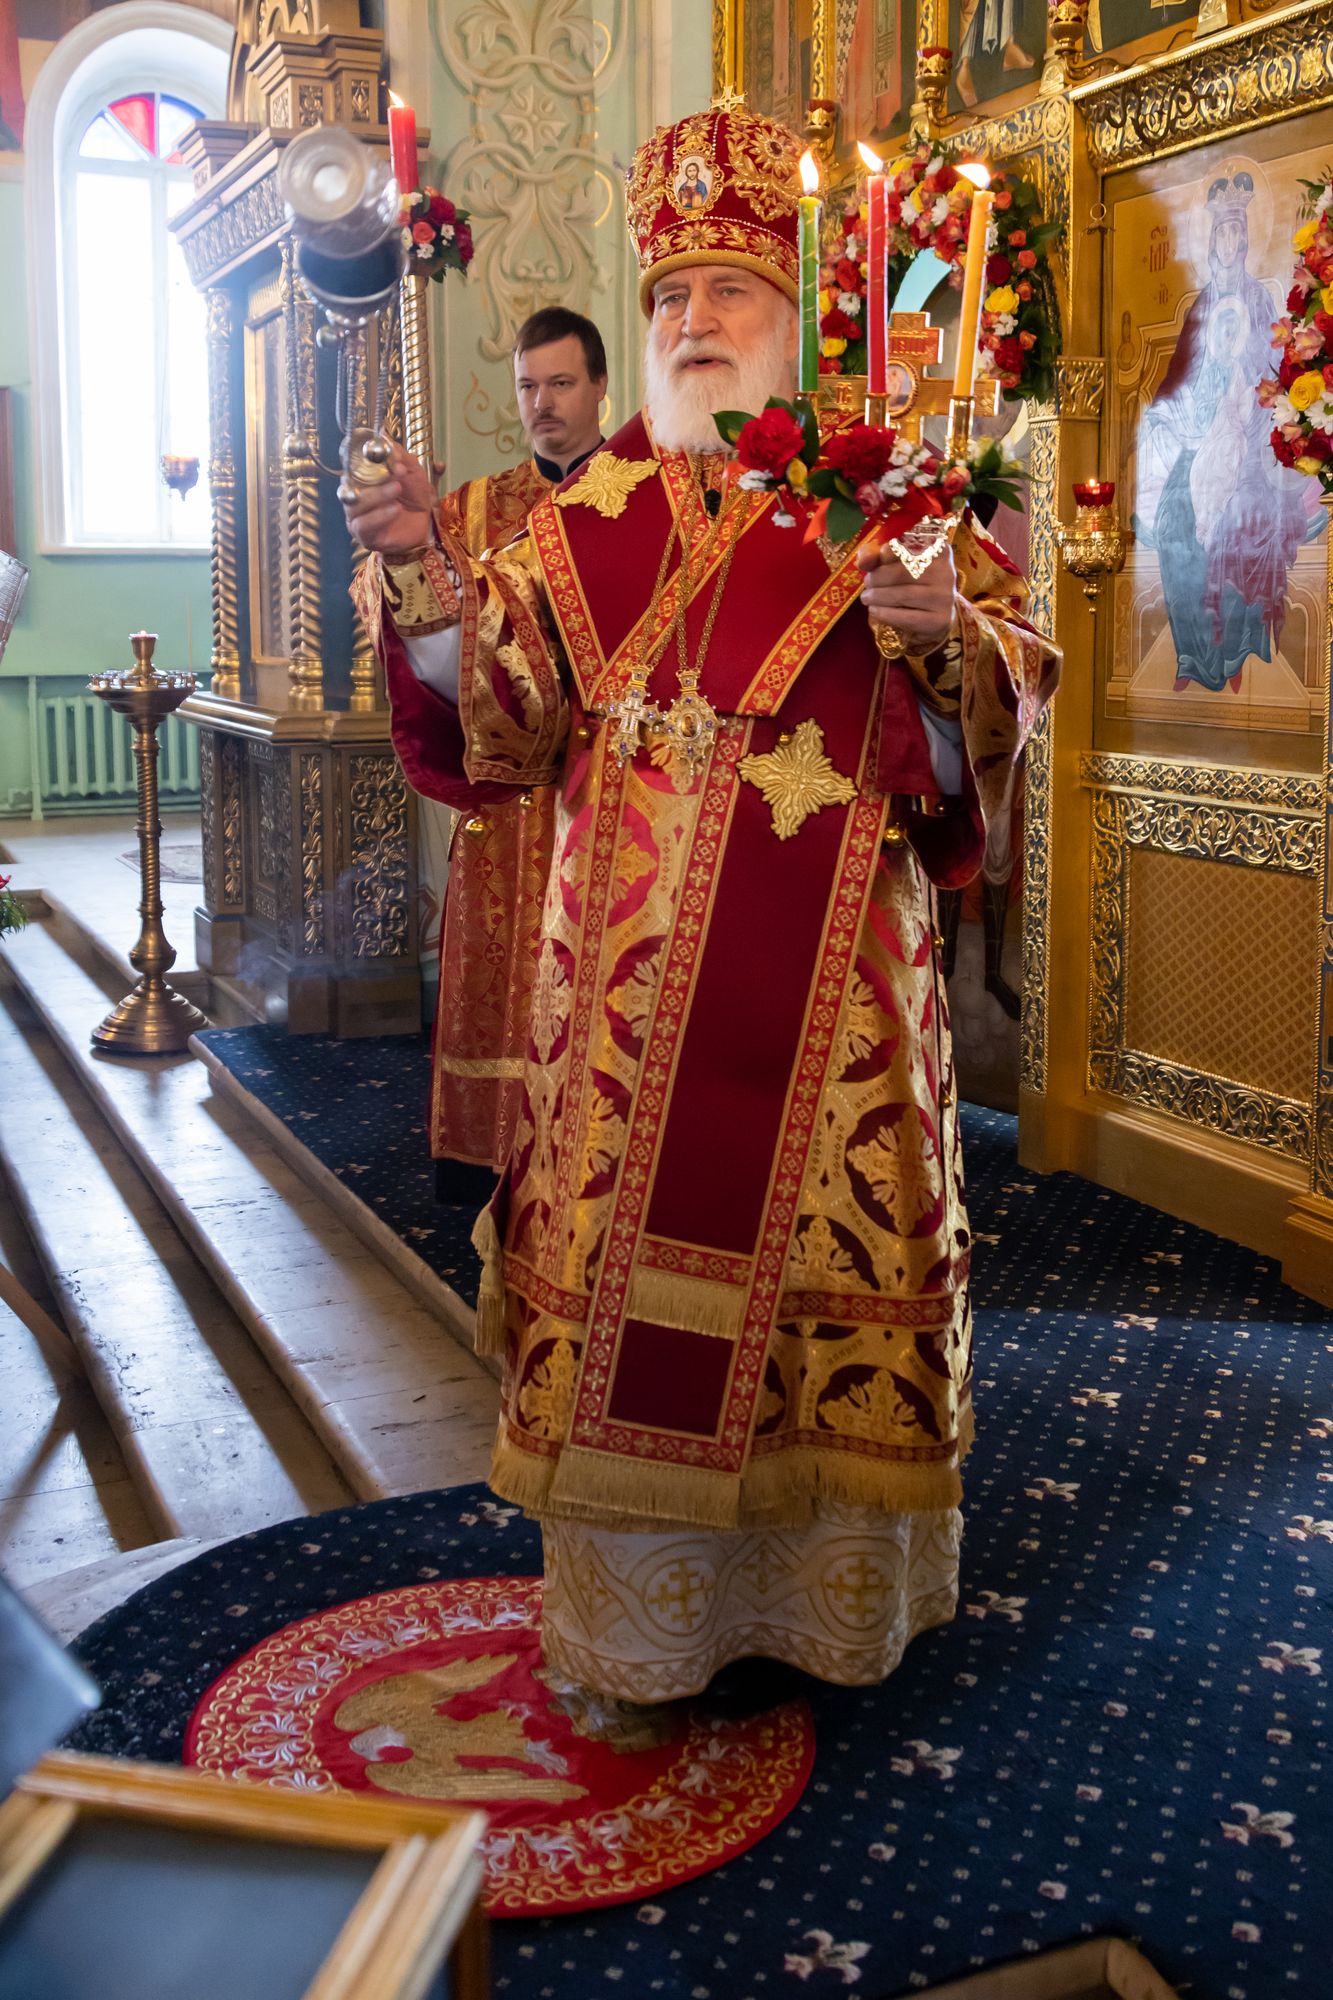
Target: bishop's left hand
922, 610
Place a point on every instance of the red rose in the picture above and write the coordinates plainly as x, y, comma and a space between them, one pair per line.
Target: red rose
860, 454
1324, 322
1328, 374
769, 443
1024, 290
871, 501
1288, 370
1318, 445
422, 232
1003, 199
1008, 356
1296, 300
849, 275
946, 178
1283, 451
893, 207
1018, 239
1027, 341
838, 325
463, 241
441, 210
998, 269
1027, 260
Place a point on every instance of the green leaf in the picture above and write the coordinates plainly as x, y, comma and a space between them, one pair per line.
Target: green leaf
845, 519
730, 424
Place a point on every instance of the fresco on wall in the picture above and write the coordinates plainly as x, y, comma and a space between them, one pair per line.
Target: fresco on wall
1218, 614
999, 46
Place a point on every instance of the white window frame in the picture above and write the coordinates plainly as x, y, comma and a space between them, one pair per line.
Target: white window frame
138, 45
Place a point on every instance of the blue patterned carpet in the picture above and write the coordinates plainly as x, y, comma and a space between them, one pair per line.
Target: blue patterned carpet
1126, 1729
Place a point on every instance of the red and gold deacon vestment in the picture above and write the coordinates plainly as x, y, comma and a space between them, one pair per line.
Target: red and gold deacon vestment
498, 862
727, 1265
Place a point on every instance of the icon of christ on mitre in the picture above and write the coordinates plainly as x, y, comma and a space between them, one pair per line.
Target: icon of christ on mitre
727, 1263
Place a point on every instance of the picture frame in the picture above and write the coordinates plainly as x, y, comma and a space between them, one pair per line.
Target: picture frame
233, 1888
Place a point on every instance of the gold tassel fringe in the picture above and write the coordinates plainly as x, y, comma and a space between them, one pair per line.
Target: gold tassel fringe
697, 1305
489, 1337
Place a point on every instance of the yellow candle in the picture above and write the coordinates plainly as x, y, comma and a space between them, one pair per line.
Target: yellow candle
974, 279
807, 380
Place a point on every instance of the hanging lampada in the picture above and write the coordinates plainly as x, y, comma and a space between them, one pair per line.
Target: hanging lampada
179, 473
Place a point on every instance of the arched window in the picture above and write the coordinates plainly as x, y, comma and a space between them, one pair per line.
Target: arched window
120, 362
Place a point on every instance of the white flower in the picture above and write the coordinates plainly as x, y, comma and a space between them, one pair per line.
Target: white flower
1285, 412
850, 303
781, 520
754, 481
940, 212
425, 251
446, 232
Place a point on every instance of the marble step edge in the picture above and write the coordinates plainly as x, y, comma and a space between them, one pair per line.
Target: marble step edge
434, 1292
134, 1446
69, 1603
258, 1447
353, 1455
105, 963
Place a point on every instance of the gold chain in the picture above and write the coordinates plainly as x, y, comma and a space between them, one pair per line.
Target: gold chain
690, 723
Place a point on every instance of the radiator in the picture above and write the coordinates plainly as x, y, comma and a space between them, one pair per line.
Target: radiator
85, 762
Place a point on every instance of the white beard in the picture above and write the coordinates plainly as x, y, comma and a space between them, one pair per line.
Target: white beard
681, 404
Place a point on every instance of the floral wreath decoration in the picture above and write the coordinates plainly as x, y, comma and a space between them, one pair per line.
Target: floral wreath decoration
437, 235
928, 201
1300, 395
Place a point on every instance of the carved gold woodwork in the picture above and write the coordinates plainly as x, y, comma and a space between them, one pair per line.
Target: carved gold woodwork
1250, 820
1321, 1159
309, 904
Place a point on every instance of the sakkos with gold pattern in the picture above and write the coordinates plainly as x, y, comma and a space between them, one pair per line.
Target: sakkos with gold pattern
727, 1268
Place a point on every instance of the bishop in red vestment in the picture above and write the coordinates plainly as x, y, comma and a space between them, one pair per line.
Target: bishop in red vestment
727, 1266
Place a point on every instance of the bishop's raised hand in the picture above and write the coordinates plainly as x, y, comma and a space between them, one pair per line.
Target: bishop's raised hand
921, 608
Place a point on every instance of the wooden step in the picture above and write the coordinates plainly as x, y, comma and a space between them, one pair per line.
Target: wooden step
210, 1439
384, 1379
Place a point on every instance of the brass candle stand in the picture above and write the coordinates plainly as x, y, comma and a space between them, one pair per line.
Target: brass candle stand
153, 1019
1096, 545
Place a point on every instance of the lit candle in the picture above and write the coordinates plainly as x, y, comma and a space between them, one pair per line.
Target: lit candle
1094, 492
974, 279
808, 361
403, 143
877, 274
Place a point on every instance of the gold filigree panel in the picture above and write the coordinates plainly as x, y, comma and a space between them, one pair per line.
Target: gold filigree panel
1218, 970
1204, 926
1243, 78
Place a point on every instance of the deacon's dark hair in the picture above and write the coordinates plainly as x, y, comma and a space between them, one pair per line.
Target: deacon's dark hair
558, 323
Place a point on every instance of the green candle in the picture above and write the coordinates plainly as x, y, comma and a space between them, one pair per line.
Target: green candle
808, 363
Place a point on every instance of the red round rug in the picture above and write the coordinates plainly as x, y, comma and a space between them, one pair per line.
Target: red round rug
434, 1693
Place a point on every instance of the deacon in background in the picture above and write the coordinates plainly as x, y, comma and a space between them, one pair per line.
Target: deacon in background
501, 850
727, 1265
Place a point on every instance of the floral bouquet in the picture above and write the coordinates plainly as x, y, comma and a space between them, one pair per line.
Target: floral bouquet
1300, 395
13, 916
436, 235
859, 475
928, 202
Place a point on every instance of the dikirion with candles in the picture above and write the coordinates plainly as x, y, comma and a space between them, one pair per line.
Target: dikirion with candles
727, 1263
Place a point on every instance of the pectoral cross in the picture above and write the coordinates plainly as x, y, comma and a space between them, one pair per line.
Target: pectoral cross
914, 346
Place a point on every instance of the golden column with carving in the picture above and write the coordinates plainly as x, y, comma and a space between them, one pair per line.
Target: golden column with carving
300, 468
934, 67
1309, 1261
226, 661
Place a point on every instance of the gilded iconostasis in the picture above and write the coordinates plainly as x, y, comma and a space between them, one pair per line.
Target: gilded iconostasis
1145, 968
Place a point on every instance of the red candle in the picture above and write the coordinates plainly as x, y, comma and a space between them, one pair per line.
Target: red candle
403, 144
877, 275
1094, 492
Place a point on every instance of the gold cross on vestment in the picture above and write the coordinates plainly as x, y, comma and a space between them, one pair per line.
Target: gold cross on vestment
914, 346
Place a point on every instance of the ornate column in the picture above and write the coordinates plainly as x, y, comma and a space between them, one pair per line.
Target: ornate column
300, 469
934, 67
226, 660
1308, 1263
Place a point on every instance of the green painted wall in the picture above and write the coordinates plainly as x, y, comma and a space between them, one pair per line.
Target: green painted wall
78, 609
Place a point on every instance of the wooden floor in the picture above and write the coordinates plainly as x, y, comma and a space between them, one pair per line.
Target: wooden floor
253, 1350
